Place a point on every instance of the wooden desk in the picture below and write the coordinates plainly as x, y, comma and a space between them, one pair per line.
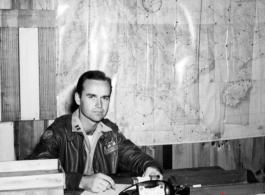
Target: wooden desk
216, 181
31, 177
229, 189
213, 181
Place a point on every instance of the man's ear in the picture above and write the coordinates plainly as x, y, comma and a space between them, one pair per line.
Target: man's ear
77, 98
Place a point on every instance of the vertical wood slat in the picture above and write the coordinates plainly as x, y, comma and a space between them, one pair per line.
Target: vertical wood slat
180, 156
29, 4
47, 63
7, 150
5, 4
26, 4
38, 5
28, 134
15, 4
252, 153
0, 84
167, 156
9, 74
203, 152
45, 5
29, 73
191, 155
159, 154
150, 151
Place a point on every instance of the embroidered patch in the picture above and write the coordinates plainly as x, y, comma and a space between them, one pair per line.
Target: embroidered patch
112, 149
47, 135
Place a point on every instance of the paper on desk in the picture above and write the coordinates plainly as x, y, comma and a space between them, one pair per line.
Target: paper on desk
118, 187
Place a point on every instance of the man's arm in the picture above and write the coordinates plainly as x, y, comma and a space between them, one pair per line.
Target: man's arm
48, 148
132, 159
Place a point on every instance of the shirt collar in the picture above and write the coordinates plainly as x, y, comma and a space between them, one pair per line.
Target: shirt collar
77, 125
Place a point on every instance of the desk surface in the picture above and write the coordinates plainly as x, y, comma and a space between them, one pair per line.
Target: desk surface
213, 181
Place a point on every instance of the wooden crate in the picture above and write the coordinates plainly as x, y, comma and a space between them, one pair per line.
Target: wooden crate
28, 177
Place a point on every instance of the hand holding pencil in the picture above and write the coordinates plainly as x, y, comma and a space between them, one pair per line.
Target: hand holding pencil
97, 183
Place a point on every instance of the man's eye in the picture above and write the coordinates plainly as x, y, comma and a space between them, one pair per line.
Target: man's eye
91, 96
106, 98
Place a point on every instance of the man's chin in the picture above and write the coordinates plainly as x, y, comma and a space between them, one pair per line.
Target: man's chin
96, 119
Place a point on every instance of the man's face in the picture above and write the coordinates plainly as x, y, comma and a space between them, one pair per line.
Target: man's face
94, 101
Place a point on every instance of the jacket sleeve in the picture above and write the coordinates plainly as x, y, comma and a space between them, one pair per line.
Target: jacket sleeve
132, 159
48, 148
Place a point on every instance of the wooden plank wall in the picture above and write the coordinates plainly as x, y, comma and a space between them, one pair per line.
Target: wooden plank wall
16, 15
13, 21
246, 153
9, 74
29, 4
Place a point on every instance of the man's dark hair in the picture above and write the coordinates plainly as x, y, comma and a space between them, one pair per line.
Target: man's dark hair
93, 75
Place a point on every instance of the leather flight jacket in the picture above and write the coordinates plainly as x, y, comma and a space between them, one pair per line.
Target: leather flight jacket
113, 151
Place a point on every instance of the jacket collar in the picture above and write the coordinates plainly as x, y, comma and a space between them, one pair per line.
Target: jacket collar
78, 128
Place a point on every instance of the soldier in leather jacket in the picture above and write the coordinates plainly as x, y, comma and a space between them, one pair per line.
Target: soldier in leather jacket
88, 146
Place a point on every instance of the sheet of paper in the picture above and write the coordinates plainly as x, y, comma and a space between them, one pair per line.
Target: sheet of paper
119, 188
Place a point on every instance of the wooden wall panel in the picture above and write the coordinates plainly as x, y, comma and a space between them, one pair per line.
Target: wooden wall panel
47, 64
181, 156
203, 157
9, 74
0, 86
253, 153
27, 18
167, 156
14, 72
5, 4
29, 4
45, 5
229, 154
27, 136
7, 150
29, 73
26, 4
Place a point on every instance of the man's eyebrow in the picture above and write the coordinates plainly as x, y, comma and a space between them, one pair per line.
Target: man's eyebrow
90, 94
106, 96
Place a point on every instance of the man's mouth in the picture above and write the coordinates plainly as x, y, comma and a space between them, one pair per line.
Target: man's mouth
98, 112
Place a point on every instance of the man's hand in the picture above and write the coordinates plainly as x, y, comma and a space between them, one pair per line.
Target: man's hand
153, 171
97, 183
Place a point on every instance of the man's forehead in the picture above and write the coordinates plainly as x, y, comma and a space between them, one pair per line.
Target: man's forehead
91, 84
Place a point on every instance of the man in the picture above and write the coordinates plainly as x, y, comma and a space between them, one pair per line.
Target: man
88, 146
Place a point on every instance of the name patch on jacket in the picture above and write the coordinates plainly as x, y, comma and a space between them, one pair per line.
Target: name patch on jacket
110, 147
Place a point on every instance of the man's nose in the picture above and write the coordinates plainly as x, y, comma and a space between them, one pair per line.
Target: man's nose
99, 103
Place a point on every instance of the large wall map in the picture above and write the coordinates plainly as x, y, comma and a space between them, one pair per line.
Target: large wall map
182, 71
